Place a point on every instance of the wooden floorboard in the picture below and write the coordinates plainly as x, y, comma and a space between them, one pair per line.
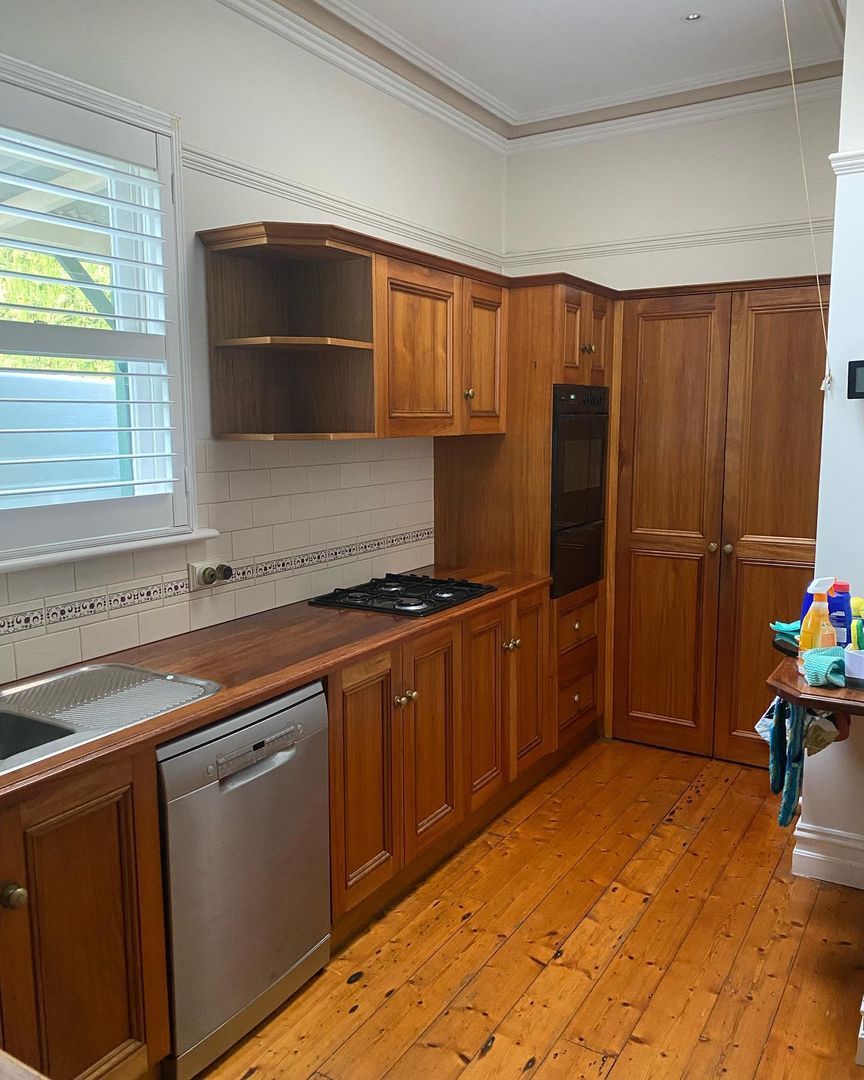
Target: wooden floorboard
632, 917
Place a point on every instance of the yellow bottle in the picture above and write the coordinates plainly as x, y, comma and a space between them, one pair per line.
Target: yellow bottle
816, 629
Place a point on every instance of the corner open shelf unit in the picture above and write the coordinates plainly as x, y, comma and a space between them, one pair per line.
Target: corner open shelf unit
291, 334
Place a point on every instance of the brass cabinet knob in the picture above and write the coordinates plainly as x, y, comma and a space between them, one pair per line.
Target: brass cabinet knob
13, 896
510, 645
400, 701
470, 394
712, 547
577, 626
411, 695
728, 549
588, 347
517, 644
577, 698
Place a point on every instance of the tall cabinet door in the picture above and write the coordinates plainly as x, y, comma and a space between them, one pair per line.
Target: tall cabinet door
486, 703
484, 357
673, 415
365, 778
774, 431
434, 799
419, 342
533, 722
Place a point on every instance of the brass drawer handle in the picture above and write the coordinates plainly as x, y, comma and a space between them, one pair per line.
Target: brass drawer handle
577, 626
577, 698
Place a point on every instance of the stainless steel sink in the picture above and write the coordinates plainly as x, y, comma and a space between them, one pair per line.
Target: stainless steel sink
52, 714
19, 733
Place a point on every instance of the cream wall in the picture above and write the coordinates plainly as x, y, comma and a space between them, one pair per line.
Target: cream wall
830, 834
708, 201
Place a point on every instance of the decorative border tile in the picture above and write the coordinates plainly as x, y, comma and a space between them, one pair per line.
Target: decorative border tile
74, 608
145, 594
22, 620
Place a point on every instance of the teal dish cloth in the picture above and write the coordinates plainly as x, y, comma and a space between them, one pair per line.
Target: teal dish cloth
787, 757
825, 667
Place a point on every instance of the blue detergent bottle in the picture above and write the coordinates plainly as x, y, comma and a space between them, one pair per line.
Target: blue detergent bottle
840, 612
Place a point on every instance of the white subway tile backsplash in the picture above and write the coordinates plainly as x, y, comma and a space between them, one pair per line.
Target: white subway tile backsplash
224, 455
163, 622
7, 663
290, 536
340, 502
273, 511
296, 519
250, 542
213, 487
354, 475
311, 505
99, 639
37, 654
306, 453
30, 584
249, 484
289, 481
104, 570
227, 517
254, 598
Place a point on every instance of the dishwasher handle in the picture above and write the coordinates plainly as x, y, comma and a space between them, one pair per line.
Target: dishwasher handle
257, 769
255, 753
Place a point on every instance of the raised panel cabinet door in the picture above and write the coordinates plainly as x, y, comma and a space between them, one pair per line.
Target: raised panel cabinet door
87, 852
577, 318
600, 340
484, 357
433, 800
419, 336
533, 721
365, 779
673, 413
777, 362
485, 703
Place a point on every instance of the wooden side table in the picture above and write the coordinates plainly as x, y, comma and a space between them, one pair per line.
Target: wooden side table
789, 684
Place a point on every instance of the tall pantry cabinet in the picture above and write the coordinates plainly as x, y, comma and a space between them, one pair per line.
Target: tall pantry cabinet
721, 422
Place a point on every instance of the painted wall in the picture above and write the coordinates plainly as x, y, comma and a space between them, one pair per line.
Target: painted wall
830, 834
718, 200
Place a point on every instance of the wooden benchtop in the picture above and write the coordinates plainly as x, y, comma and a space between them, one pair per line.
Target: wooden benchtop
257, 658
788, 683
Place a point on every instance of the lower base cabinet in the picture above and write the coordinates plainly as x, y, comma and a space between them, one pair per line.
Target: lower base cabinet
83, 988
424, 735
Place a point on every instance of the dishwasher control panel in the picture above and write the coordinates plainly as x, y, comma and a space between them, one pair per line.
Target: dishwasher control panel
254, 752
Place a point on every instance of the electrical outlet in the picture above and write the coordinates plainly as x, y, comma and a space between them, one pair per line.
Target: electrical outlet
205, 575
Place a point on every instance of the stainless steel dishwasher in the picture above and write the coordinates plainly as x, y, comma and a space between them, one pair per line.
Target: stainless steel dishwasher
247, 857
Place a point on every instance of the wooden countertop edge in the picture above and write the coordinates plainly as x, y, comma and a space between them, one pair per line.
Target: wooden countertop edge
240, 697
787, 683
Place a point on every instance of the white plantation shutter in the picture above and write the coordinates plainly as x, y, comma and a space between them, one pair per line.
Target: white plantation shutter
92, 439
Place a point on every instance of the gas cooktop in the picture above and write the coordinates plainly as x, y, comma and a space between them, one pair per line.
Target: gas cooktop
404, 594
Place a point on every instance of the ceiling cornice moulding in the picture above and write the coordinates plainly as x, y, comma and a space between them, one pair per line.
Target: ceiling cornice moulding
847, 161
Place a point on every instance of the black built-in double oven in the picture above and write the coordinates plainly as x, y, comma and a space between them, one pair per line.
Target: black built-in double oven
580, 432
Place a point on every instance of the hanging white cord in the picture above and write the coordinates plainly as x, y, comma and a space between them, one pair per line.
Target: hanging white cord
826, 382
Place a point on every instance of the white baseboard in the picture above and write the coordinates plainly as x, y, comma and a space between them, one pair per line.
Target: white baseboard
829, 855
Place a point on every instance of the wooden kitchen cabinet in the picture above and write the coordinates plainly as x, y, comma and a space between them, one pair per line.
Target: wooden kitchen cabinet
365, 778
484, 353
419, 349
587, 337
578, 621
433, 798
486, 700
83, 987
532, 725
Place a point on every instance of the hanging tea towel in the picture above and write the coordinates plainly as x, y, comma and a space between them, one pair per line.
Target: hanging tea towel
787, 756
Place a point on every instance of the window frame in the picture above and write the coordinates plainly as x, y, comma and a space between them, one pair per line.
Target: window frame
51, 88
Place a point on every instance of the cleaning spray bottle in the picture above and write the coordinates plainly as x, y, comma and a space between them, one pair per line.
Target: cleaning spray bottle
840, 612
816, 629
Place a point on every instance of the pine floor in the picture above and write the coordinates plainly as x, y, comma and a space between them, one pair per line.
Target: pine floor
633, 916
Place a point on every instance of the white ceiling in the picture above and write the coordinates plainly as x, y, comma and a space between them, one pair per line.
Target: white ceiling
533, 60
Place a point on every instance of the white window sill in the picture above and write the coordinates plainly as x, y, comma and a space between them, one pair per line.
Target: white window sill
51, 558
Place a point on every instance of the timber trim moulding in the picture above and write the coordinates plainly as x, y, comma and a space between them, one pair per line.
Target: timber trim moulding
829, 855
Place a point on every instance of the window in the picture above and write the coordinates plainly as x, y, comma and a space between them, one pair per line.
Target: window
93, 446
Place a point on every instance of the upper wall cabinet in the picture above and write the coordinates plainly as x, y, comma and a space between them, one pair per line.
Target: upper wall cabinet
587, 337
316, 332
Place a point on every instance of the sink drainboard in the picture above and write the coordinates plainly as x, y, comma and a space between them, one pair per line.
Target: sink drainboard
105, 697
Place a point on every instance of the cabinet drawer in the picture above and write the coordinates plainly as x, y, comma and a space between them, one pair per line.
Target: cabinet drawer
576, 697
576, 625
